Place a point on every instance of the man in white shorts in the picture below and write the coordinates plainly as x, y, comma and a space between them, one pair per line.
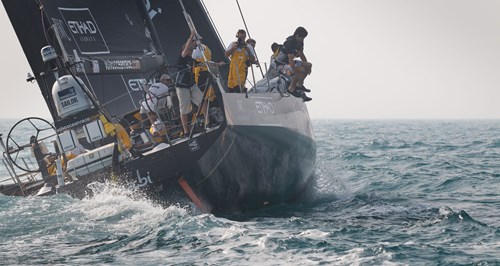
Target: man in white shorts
185, 86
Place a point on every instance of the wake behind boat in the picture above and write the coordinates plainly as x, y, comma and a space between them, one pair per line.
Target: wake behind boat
99, 59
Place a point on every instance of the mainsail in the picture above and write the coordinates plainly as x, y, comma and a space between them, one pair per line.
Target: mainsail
114, 40
120, 43
172, 29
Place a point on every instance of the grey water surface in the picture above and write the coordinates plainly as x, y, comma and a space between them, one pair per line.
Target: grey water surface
387, 193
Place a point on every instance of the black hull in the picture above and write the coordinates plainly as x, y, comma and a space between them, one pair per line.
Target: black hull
154, 174
265, 155
261, 156
252, 172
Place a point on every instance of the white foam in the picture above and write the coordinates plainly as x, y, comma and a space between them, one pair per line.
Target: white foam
123, 210
314, 234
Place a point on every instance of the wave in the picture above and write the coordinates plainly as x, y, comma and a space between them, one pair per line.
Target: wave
396, 144
494, 144
378, 199
348, 156
447, 218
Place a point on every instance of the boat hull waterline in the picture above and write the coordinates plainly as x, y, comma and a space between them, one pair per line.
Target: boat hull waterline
242, 165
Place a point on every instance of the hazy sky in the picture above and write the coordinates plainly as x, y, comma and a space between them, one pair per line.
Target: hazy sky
411, 59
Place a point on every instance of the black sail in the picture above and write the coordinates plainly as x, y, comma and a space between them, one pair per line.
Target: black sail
114, 39
172, 29
121, 43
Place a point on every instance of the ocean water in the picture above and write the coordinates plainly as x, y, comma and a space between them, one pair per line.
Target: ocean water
387, 193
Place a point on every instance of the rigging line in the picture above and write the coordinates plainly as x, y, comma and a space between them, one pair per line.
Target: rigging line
52, 27
80, 62
164, 68
192, 27
248, 32
200, 109
115, 99
219, 162
253, 76
249, 81
128, 91
94, 101
212, 22
43, 23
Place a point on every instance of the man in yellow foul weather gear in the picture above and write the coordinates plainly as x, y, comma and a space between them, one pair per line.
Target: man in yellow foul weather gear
124, 141
241, 55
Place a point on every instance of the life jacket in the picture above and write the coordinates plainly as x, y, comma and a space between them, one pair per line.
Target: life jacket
200, 66
185, 76
200, 59
238, 68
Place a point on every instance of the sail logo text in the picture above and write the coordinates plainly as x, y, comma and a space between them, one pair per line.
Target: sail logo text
84, 30
264, 107
132, 64
69, 102
82, 27
136, 84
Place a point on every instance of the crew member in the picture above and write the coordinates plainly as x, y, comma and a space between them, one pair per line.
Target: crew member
39, 150
292, 48
240, 55
156, 97
202, 54
272, 72
186, 88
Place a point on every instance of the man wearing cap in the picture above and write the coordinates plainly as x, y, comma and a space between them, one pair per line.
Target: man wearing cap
240, 53
156, 97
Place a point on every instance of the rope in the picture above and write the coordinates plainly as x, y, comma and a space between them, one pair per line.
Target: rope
248, 32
